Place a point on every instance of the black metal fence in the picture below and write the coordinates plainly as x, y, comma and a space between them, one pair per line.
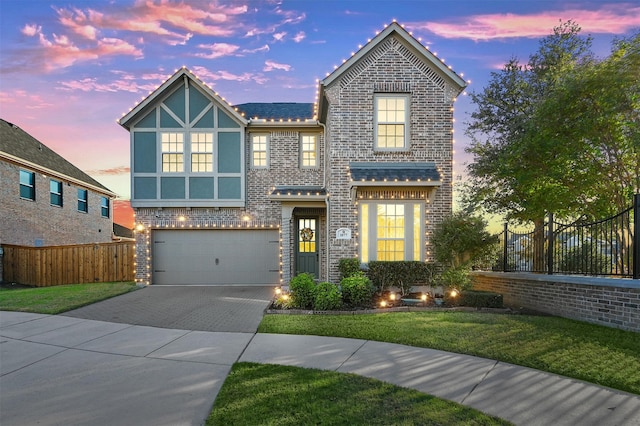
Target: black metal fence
608, 247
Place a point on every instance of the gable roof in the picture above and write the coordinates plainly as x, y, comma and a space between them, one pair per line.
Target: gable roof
18, 146
421, 51
177, 78
424, 53
277, 110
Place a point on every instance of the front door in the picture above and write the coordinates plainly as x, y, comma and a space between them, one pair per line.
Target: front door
307, 256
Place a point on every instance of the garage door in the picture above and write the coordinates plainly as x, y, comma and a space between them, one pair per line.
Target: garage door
215, 257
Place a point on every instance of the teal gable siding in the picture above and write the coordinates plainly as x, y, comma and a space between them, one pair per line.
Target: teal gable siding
144, 152
226, 122
172, 188
198, 123
197, 103
229, 188
201, 188
148, 121
167, 121
229, 152
206, 122
176, 103
144, 188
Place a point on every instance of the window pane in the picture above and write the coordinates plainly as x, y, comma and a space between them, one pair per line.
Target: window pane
364, 233
55, 190
259, 150
104, 207
309, 157
27, 185
417, 220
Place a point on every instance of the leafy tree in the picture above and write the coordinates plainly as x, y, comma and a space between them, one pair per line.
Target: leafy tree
558, 135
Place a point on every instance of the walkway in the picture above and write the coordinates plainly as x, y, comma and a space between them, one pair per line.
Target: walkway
59, 370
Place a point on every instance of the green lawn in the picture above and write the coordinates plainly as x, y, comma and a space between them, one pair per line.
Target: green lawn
593, 353
279, 395
57, 299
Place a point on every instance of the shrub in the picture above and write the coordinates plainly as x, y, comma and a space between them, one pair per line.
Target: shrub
477, 299
457, 278
357, 290
302, 288
349, 267
327, 297
401, 274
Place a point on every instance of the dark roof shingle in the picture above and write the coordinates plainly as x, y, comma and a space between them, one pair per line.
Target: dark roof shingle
400, 172
18, 143
277, 110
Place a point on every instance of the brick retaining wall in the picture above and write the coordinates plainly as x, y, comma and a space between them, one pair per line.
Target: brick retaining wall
613, 302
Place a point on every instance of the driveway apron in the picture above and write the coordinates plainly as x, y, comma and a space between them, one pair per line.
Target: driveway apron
202, 308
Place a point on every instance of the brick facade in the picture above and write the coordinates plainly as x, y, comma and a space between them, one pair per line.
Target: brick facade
30, 223
612, 302
392, 63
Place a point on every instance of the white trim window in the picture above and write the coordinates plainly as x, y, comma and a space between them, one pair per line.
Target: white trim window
83, 200
309, 151
202, 152
105, 208
391, 231
27, 185
259, 151
172, 152
55, 192
391, 116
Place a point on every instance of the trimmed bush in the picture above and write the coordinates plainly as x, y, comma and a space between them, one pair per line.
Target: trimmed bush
349, 267
302, 288
327, 297
477, 299
401, 274
357, 290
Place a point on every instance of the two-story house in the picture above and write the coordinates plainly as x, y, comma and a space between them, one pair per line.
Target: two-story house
256, 193
44, 199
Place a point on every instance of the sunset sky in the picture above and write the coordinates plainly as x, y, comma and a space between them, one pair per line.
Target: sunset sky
69, 69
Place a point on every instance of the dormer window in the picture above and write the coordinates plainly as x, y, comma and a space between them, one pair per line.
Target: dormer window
391, 114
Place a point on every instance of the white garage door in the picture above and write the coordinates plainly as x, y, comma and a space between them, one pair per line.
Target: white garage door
215, 257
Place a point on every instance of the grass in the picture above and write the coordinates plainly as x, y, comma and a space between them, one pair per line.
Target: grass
57, 299
597, 354
280, 395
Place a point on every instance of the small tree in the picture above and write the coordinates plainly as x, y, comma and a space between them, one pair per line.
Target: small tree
458, 241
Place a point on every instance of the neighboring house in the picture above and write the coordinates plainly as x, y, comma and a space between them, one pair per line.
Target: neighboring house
44, 199
256, 193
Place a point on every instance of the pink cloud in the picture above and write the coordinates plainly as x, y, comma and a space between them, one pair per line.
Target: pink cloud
272, 65
25, 100
279, 36
31, 29
262, 49
76, 20
217, 50
299, 37
612, 18
205, 74
110, 171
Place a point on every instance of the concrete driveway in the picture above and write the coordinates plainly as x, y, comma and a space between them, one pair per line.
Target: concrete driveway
202, 308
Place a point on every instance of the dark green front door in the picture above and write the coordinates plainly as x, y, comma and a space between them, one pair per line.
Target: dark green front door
307, 257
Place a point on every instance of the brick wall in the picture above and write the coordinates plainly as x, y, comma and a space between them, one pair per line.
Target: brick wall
611, 302
388, 68
25, 221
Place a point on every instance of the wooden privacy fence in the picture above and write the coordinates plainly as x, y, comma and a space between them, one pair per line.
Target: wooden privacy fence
73, 264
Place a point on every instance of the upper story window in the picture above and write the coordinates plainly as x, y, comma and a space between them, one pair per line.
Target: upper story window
27, 185
309, 151
172, 152
202, 152
259, 151
105, 209
391, 113
55, 190
83, 200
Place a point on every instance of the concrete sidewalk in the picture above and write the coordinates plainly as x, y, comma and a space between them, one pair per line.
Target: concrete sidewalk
57, 370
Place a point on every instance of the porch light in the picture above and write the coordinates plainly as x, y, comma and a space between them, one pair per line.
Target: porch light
392, 296
454, 293
423, 297
383, 303
139, 227
278, 290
